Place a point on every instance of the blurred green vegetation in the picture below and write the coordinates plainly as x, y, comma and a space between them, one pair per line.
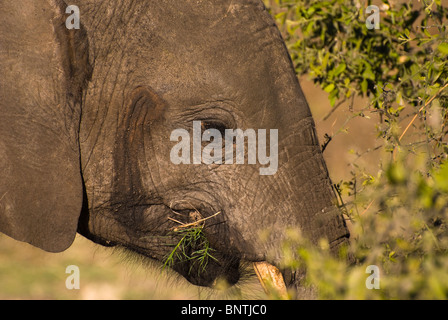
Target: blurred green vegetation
397, 212
398, 223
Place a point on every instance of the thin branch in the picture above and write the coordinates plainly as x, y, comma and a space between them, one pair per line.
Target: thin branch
420, 110
368, 207
334, 109
186, 225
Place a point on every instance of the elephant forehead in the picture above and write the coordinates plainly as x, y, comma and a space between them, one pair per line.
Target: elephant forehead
191, 49
216, 46
144, 25
204, 13
210, 22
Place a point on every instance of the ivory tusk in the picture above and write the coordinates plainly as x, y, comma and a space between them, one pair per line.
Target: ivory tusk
270, 276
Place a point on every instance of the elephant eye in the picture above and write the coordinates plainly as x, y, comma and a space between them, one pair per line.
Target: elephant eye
207, 125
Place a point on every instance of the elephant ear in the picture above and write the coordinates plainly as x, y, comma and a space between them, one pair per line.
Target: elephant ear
43, 67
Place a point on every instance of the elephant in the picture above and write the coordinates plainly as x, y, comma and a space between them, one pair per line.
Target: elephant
86, 119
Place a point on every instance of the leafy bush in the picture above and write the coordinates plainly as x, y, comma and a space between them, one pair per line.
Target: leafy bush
398, 214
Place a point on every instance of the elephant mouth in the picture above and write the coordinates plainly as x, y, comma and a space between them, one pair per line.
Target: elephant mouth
194, 253
204, 265
195, 244
270, 277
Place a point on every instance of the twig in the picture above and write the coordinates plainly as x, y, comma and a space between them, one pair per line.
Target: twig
334, 109
394, 153
368, 207
177, 221
326, 142
420, 110
186, 225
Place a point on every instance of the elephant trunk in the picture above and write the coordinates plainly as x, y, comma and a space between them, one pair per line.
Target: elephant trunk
299, 197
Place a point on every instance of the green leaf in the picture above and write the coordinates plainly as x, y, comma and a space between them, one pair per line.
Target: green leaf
341, 68
333, 101
441, 177
391, 256
364, 85
443, 48
310, 11
368, 73
325, 60
329, 88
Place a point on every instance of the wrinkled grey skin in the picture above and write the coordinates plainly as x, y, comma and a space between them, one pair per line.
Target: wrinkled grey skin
86, 118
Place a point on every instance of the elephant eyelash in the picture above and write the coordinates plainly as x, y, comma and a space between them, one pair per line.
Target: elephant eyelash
207, 125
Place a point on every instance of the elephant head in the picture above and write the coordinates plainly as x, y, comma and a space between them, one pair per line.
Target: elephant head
87, 122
